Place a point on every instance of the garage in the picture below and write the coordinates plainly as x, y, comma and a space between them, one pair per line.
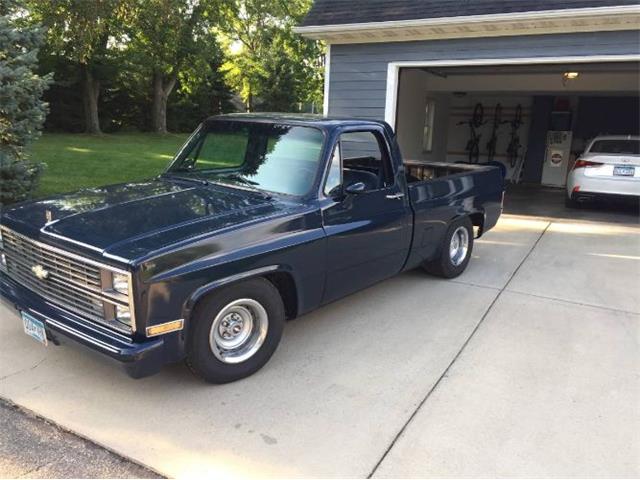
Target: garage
535, 119
525, 85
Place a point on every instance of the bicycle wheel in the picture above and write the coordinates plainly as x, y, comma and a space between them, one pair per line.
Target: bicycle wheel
517, 121
514, 148
491, 147
497, 116
478, 115
474, 151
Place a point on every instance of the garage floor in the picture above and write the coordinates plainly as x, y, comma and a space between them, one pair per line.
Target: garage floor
527, 365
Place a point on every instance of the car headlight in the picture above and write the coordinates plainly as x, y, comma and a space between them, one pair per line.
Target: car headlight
120, 283
123, 314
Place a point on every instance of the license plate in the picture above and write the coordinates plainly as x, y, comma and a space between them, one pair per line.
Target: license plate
624, 171
34, 328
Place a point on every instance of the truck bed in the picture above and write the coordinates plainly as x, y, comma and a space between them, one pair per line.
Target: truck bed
440, 192
418, 171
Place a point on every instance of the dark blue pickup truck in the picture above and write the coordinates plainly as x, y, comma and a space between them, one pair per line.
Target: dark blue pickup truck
257, 220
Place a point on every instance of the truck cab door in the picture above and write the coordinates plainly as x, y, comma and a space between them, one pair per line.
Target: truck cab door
366, 214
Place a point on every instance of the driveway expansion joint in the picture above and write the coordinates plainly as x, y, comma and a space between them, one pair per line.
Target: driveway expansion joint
573, 302
445, 373
32, 367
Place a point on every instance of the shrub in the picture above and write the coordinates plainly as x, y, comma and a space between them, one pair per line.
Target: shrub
22, 110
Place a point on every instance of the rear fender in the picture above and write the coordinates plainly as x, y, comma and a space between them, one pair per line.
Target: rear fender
477, 217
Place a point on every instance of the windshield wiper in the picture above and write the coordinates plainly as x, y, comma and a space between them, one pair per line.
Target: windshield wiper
241, 179
245, 184
201, 181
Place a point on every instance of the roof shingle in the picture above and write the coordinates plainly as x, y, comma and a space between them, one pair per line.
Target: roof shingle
339, 12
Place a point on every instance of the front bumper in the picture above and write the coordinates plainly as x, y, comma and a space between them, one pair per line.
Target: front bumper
140, 359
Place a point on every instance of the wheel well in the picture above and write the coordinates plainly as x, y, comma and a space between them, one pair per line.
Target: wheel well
477, 220
286, 286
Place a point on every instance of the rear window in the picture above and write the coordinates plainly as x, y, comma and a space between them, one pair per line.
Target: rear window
621, 147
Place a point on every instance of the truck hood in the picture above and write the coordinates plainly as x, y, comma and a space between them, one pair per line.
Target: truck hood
133, 220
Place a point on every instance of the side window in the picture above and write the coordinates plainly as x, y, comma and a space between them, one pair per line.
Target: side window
334, 178
365, 159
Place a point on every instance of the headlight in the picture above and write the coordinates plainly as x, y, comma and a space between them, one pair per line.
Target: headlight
120, 283
123, 314
3, 262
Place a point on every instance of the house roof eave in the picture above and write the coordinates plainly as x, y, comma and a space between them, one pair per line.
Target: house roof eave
624, 17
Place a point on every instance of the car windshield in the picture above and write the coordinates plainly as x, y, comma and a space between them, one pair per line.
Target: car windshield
265, 156
620, 147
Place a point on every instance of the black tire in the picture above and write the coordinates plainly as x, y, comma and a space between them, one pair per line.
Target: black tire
571, 203
200, 357
442, 265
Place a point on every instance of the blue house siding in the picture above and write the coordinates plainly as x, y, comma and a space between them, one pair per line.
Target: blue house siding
358, 78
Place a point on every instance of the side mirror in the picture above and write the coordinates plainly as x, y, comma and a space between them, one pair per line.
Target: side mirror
356, 188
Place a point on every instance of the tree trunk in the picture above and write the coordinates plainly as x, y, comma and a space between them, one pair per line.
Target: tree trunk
162, 87
249, 101
90, 95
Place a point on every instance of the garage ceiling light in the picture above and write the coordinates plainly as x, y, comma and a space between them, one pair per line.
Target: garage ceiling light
567, 76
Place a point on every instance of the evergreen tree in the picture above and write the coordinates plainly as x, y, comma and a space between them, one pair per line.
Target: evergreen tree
22, 111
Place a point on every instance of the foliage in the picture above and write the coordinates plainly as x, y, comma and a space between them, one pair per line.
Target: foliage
170, 39
84, 33
82, 161
160, 65
269, 66
22, 110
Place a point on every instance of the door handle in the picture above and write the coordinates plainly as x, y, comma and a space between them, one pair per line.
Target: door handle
395, 196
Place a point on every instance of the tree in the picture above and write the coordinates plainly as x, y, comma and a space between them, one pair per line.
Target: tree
267, 63
170, 39
22, 110
84, 31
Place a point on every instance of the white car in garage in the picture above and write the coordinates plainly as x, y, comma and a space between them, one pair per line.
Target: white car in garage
608, 168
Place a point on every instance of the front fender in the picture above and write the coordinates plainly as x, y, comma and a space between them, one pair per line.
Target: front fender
208, 288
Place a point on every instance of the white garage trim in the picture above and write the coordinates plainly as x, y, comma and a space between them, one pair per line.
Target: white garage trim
327, 80
393, 71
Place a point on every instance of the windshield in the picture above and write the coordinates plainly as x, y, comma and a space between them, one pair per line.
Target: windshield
265, 156
620, 147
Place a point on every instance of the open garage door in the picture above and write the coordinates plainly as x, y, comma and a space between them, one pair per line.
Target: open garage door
534, 119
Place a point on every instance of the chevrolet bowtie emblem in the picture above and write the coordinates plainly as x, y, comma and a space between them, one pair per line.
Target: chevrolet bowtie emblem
40, 272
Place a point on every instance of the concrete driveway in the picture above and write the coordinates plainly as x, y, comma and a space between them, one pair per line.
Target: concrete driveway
527, 365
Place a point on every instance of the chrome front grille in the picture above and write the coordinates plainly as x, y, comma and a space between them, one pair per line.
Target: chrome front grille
71, 282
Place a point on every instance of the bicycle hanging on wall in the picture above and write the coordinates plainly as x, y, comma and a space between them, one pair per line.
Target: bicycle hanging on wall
513, 149
493, 141
476, 121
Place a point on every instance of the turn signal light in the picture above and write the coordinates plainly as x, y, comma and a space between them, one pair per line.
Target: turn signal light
585, 163
165, 328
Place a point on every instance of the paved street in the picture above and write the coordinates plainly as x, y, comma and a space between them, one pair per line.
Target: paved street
527, 365
31, 447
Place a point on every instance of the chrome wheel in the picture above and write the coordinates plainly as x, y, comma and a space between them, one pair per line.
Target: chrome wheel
459, 246
238, 331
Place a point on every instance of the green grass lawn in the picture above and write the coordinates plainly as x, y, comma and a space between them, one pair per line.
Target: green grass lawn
75, 161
